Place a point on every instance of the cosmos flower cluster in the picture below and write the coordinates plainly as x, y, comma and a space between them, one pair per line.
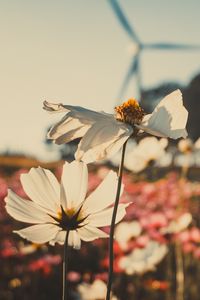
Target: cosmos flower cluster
55, 209
63, 212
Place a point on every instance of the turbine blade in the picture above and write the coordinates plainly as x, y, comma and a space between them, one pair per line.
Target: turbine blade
123, 20
131, 71
171, 46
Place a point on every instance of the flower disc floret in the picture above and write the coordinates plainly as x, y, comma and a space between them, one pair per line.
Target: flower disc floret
70, 219
130, 112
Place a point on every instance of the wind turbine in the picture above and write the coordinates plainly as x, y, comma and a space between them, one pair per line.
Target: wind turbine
139, 46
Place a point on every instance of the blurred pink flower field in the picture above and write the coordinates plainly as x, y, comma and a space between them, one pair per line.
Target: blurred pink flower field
158, 240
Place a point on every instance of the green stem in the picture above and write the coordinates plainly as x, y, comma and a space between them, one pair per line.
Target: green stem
112, 226
65, 267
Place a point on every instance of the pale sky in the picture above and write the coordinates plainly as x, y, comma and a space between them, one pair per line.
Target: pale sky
75, 52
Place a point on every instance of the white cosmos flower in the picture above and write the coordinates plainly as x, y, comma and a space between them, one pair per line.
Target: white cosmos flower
94, 291
57, 208
178, 225
149, 149
190, 153
115, 159
142, 260
102, 134
187, 145
125, 231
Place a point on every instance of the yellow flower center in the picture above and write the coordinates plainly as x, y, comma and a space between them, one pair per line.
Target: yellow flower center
70, 213
70, 219
130, 112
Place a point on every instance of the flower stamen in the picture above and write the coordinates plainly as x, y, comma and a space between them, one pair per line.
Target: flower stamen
70, 219
130, 112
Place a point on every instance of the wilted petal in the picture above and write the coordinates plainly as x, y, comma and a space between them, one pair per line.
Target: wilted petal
103, 196
25, 210
67, 130
43, 188
74, 124
54, 107
85, 116
89, 233
102, 140
40, 233
104, 217
74, 184
168, 119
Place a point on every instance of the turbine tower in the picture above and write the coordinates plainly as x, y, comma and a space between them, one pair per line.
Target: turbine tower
135, 65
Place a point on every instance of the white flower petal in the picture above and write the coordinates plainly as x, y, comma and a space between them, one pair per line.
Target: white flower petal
96, 290
89, 233
85, 116
67, 130
104, 217
54, 107
116, 159
74, 239
163, 143
125, 231
74, 124
148, 149
59, 238
168, 119
103, 139
197, 144
40, 233
74, 184
43, 188
178, 225
25, 210
103, 196
142, 260
135, 163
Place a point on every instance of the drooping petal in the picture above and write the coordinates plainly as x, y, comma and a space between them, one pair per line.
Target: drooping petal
74, 124
25, 210
54, 107
43, 188
102, 140
85, 116
59, 238
74, 184
168, 119
67, 130
104, 217
40, 233
103, 196
89, 233
74, 239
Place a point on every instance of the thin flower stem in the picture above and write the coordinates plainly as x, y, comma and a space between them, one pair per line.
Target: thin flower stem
179, 272
112, 226
65, 267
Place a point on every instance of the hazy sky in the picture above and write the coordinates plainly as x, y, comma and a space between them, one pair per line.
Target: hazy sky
75, 52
